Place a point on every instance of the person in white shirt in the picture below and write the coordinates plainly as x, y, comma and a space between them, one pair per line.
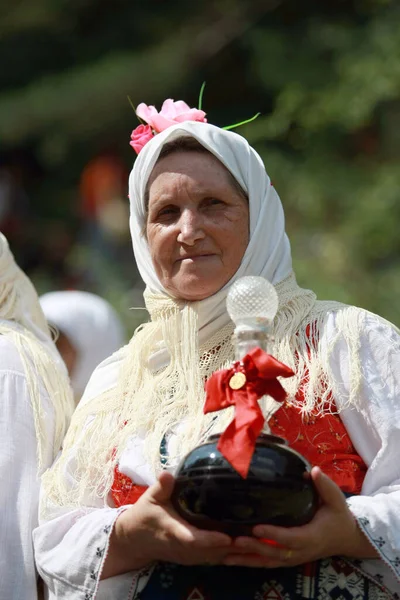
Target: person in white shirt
36, 404
88, 331
204, 214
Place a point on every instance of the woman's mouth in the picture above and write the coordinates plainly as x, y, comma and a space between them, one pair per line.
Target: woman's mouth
194, 257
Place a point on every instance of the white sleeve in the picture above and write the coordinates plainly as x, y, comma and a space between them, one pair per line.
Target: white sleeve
374, 428
70, 551
19, 489
72, 544
71, 547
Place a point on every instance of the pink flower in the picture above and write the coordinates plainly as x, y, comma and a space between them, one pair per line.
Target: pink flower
140, 136
170, 114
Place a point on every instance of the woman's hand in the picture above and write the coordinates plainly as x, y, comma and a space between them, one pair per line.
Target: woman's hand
333, 531
151, 530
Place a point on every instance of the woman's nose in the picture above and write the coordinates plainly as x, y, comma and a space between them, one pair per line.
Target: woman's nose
190, 228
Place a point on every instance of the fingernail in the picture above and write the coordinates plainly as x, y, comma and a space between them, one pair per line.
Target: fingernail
268, 541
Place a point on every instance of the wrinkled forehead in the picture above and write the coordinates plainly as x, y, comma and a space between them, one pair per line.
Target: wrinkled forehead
232, 150
187, 159
227, 147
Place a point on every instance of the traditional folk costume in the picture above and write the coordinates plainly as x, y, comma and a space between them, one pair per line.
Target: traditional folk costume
91, 325
143, 411
35, 408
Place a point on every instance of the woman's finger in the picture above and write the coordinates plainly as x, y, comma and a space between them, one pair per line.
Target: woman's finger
215, 539
161, 491
327, 489
272, 552
276, 537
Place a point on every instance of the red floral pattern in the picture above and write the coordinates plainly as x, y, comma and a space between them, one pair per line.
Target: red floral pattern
324, 442
124, 491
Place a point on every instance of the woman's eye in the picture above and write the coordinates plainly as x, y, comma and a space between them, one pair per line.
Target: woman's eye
167, 211
213, 202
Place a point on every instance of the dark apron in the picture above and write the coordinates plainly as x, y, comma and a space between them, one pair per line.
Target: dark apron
329, 579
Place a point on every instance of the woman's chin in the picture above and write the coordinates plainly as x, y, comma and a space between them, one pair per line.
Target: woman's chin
194, 290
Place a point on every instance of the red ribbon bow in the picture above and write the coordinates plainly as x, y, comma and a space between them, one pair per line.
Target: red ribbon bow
259, 372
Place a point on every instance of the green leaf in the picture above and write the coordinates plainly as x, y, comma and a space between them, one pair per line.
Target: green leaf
131, 103
134, 108
242, 122
200, 103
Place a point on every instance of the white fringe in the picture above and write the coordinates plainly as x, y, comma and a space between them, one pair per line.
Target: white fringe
24, 324
41, 370
156, 403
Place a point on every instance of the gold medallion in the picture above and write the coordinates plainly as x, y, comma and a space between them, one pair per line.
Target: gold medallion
237, 381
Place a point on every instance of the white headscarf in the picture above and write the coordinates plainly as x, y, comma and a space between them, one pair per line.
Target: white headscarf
268, 252
92, 326
18, 299
23, 322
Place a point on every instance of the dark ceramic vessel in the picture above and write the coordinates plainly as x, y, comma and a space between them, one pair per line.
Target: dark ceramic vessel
210, 494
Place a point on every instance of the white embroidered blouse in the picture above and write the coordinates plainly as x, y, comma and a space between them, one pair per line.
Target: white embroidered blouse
72, 544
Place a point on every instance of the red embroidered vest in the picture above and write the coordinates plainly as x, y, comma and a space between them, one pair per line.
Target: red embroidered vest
324, 442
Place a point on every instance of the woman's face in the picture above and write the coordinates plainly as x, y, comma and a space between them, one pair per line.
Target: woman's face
68, 352
197, 226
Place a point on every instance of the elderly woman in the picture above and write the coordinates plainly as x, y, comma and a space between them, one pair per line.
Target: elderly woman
89, 330
203, 214
35, 408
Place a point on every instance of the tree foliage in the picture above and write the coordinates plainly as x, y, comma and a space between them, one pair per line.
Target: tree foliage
324, 75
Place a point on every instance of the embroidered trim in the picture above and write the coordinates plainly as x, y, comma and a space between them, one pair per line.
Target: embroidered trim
101, 553
375, 579
145, 572
379, 543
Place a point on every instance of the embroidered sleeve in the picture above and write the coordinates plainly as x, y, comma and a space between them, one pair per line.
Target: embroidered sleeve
373, 424
380, 522
70, 552
129, 585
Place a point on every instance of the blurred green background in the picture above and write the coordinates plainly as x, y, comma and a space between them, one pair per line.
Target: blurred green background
324, 74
